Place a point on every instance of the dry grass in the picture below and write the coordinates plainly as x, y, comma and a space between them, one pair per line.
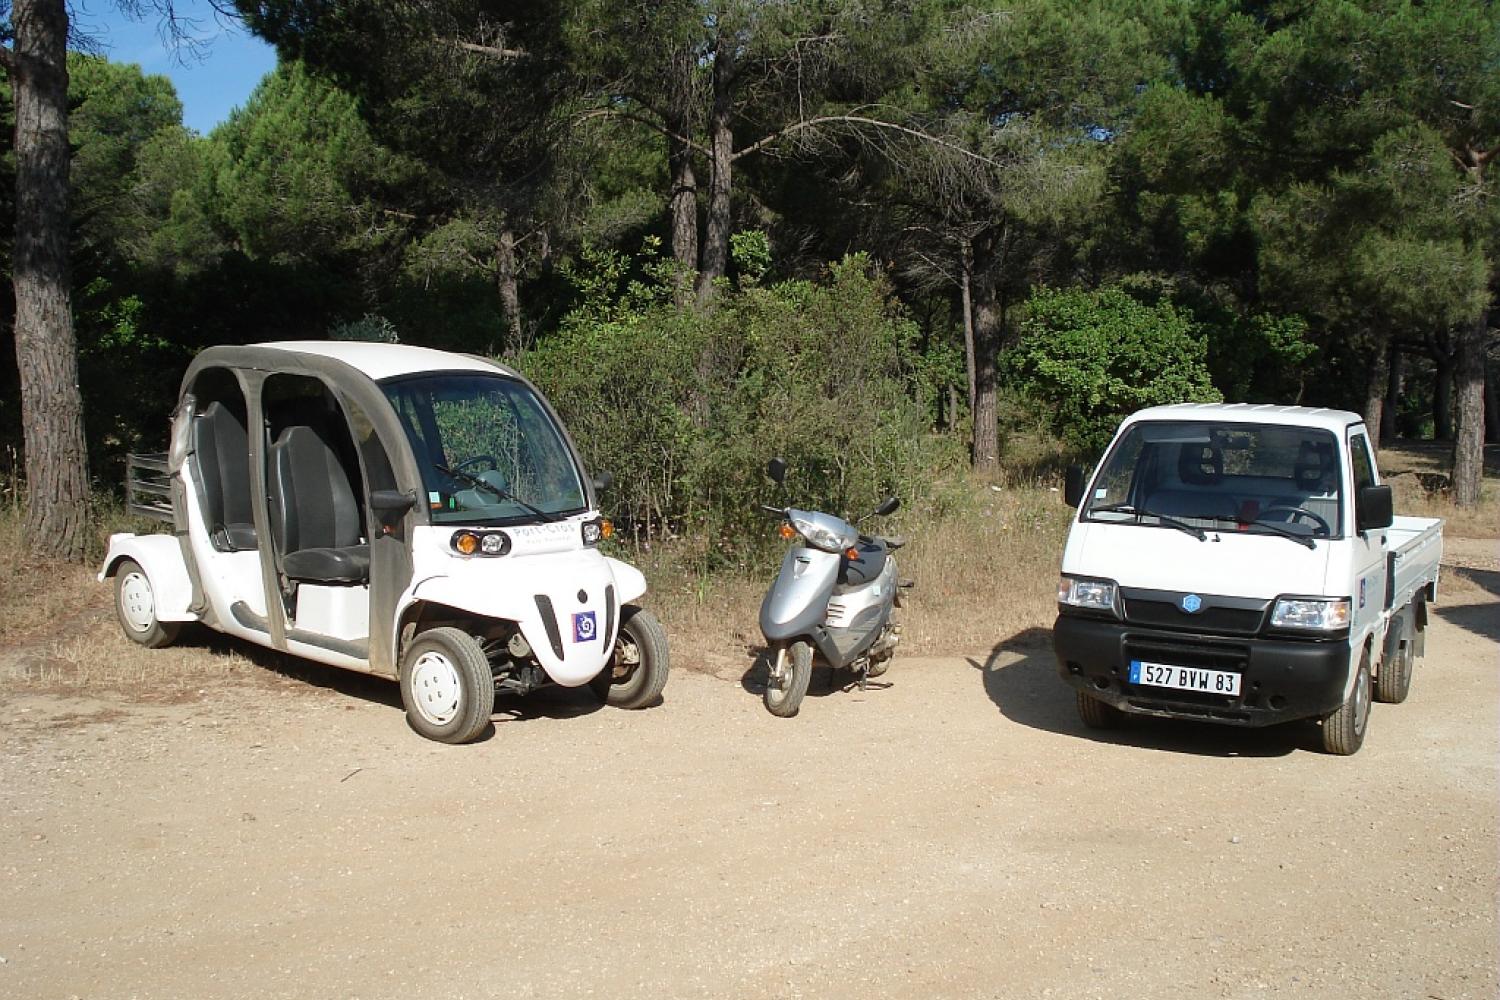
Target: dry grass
1418, 473
984, 558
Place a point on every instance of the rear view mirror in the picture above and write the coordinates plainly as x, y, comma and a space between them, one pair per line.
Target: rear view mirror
888, 506
1073, 486
776, 469
1372, 508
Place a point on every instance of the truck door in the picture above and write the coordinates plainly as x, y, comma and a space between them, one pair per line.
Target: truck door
1369, 546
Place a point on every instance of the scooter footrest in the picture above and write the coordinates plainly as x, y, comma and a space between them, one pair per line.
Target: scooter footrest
906, 584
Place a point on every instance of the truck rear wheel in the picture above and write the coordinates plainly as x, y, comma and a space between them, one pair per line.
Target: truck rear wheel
1393, 683
135, 606
1098, 714
1344, 728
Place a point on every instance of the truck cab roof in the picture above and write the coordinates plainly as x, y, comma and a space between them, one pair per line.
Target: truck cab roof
1252, 413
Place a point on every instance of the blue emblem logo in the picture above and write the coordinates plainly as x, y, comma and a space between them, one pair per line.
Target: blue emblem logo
584, 627
1192, 604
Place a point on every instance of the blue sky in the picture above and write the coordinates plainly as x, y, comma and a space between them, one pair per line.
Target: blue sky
229, 64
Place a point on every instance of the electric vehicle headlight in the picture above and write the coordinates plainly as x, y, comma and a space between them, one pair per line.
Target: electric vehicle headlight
822, 536
1082, 592
1315, 614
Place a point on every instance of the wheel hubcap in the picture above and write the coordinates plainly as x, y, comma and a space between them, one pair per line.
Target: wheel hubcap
436, 691
137, 603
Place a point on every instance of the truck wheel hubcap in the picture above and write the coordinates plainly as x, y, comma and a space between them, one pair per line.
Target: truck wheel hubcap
137, 605
435, 688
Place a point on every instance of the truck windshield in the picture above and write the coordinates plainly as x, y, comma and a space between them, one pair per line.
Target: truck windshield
1257, 478
489, 451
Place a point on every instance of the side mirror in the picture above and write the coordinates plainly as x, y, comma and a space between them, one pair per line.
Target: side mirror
392, 503
1073, 486
888, 506
776, 469
603, 481
1372, 508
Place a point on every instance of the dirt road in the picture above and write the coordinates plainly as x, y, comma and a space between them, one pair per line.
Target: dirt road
954, 835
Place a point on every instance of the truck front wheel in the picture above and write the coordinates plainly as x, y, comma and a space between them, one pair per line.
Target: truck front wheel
1344, 728
1098, 714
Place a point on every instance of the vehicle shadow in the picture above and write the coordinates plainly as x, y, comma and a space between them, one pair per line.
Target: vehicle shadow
546, 703
1020, 677
825, 680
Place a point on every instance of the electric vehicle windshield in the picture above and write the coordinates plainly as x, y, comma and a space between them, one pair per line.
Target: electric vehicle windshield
489, 450
1203, 476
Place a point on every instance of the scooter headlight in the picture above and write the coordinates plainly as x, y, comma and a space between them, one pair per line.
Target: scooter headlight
822, 536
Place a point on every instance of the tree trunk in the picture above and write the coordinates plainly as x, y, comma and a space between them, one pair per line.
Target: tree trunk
1491, 407
1442, 398
1468, 446
510, 296
715, 254
1375, 390
1392, 396
46, 353
966, 281
684, 199
988, 323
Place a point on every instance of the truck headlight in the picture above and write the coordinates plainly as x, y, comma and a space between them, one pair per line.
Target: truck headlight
1083, 592
1315, 614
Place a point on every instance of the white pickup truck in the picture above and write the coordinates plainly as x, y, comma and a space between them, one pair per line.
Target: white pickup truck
1240, 564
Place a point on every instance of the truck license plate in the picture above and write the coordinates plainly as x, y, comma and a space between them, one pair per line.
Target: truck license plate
1184, 678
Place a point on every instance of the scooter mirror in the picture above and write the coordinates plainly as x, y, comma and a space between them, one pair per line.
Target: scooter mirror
603, 481
888, 506
776, 469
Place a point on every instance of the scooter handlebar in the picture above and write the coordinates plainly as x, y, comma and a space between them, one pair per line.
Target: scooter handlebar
778, 511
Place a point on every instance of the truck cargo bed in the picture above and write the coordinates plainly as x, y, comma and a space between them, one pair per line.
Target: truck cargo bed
1415, 551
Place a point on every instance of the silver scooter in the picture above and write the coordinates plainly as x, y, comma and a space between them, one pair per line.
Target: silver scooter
831, 603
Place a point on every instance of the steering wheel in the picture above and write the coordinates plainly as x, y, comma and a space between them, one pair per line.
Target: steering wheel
1298, 513
490, 463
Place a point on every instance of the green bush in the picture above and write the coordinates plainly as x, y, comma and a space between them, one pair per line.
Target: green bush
1094, 357
685, 406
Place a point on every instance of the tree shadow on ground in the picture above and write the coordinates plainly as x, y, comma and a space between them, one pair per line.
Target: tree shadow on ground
1482, 619
1020, 677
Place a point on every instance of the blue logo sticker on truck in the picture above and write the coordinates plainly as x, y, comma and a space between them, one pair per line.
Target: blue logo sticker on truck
1192, 604
585, 628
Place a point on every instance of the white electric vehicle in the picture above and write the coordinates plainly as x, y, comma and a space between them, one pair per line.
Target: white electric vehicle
399, 511
1240, 564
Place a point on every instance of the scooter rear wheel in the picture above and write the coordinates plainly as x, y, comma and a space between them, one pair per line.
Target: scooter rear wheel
786, 688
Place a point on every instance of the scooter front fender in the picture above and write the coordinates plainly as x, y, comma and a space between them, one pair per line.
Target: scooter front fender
798, 600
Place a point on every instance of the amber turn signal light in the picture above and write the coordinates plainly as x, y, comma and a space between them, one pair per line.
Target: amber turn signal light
787, 531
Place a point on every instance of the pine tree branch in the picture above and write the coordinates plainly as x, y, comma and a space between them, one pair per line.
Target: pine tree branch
926, 137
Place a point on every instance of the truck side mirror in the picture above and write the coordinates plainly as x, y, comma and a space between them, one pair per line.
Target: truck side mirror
1372, 508
603, 481
1073, 486
776, 469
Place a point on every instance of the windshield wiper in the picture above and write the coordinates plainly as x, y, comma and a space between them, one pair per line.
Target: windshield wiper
1171, 522
1274, 529
499, 491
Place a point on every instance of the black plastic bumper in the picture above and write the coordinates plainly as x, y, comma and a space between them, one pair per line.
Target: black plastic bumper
1281, 679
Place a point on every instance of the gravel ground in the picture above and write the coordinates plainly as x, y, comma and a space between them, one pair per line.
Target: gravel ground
955, 834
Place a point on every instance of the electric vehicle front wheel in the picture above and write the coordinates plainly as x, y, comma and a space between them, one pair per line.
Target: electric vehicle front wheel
637, 672
447, 686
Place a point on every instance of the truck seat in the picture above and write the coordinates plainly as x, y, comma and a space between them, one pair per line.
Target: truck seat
314, 515
223, 454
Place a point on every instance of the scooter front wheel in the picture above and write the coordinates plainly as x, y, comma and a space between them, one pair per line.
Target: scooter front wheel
791, 670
